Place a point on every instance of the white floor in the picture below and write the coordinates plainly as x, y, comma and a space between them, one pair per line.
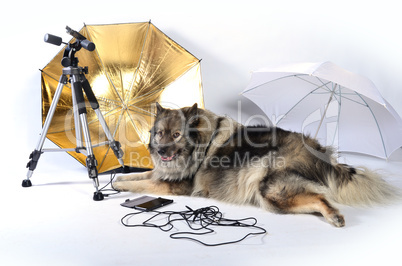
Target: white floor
56, 222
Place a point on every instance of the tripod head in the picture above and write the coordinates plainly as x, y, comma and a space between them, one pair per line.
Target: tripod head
69, 58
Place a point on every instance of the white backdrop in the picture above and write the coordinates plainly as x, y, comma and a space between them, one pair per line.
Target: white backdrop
232, 37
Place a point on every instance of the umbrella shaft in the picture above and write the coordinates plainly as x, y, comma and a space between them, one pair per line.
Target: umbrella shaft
325, 112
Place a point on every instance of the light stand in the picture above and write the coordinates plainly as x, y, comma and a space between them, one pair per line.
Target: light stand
79, 84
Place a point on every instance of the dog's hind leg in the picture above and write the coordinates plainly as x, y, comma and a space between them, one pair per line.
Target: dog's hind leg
306, 202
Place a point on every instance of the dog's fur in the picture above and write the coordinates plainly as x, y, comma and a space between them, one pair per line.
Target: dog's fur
198, 153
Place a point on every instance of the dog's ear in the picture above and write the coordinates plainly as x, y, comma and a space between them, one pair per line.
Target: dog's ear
192, 115
193, 111
159, 109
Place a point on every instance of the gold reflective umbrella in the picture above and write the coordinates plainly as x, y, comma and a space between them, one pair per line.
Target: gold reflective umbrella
133, 66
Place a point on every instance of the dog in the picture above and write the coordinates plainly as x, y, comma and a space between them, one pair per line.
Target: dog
198, 153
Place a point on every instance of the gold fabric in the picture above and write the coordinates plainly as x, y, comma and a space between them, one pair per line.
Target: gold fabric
133, 66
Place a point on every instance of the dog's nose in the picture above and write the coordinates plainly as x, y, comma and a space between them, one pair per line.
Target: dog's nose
162, 151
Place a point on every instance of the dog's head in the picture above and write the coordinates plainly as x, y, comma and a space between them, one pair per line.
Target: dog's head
169, 142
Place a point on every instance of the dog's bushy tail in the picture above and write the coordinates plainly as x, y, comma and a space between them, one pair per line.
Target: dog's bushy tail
360, 187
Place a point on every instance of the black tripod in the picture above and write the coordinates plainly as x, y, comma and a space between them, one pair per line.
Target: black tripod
79, 85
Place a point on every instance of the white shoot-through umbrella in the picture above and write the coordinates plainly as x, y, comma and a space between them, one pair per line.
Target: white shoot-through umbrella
325, 101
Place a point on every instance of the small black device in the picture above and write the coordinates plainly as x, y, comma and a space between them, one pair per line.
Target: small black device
146, 203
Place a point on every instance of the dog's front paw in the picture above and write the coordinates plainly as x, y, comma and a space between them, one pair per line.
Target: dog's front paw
121, 178
120, 185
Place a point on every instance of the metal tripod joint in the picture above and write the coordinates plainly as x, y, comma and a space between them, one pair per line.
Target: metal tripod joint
70, 70
91, 166
116, 147
34, 158
63, 79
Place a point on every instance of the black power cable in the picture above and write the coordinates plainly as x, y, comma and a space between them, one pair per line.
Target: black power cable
113, 191
200, 221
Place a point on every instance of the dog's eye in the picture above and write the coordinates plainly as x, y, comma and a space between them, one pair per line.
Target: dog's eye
176, 135
159, 133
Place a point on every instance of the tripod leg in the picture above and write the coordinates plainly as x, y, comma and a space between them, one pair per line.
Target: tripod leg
114, 145
91, 162
34, 157
77, 124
